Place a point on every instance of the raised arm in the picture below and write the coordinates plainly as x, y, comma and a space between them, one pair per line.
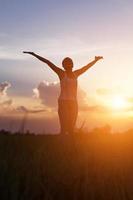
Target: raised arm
56, 69
86, 67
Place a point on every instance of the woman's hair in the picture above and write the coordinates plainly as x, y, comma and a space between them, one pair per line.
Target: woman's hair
67, 63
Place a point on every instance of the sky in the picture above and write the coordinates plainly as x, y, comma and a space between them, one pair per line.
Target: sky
54, 29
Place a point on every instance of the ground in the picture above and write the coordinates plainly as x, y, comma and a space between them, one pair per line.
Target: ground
94, 166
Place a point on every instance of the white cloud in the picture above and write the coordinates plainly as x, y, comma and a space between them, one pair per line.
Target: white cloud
23, 109
7, 103
11, 53
50, 47
5, 100
48, 94
3, 88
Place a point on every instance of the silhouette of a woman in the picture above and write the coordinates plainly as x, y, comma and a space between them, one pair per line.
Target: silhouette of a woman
67, 101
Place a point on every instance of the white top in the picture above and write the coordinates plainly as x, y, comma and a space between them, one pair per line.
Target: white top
68, 88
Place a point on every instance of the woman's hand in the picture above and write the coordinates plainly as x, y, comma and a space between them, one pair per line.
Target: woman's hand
29, 52
98, 58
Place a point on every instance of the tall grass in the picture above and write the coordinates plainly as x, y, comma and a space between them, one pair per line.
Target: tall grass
86, 167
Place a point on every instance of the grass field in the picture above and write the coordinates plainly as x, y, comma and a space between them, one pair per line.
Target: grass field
91, 167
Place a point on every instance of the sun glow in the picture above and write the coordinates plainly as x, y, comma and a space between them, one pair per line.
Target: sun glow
119, 102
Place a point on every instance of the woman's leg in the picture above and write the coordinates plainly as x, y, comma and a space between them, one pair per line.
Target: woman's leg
67, 111
73, 113
63, 116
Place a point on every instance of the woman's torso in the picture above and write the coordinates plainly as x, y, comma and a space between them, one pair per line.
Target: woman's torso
68, 84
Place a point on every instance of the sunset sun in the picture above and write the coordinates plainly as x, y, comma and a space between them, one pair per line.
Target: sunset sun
119, 102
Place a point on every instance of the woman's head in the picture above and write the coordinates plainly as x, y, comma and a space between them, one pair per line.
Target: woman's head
67, 63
